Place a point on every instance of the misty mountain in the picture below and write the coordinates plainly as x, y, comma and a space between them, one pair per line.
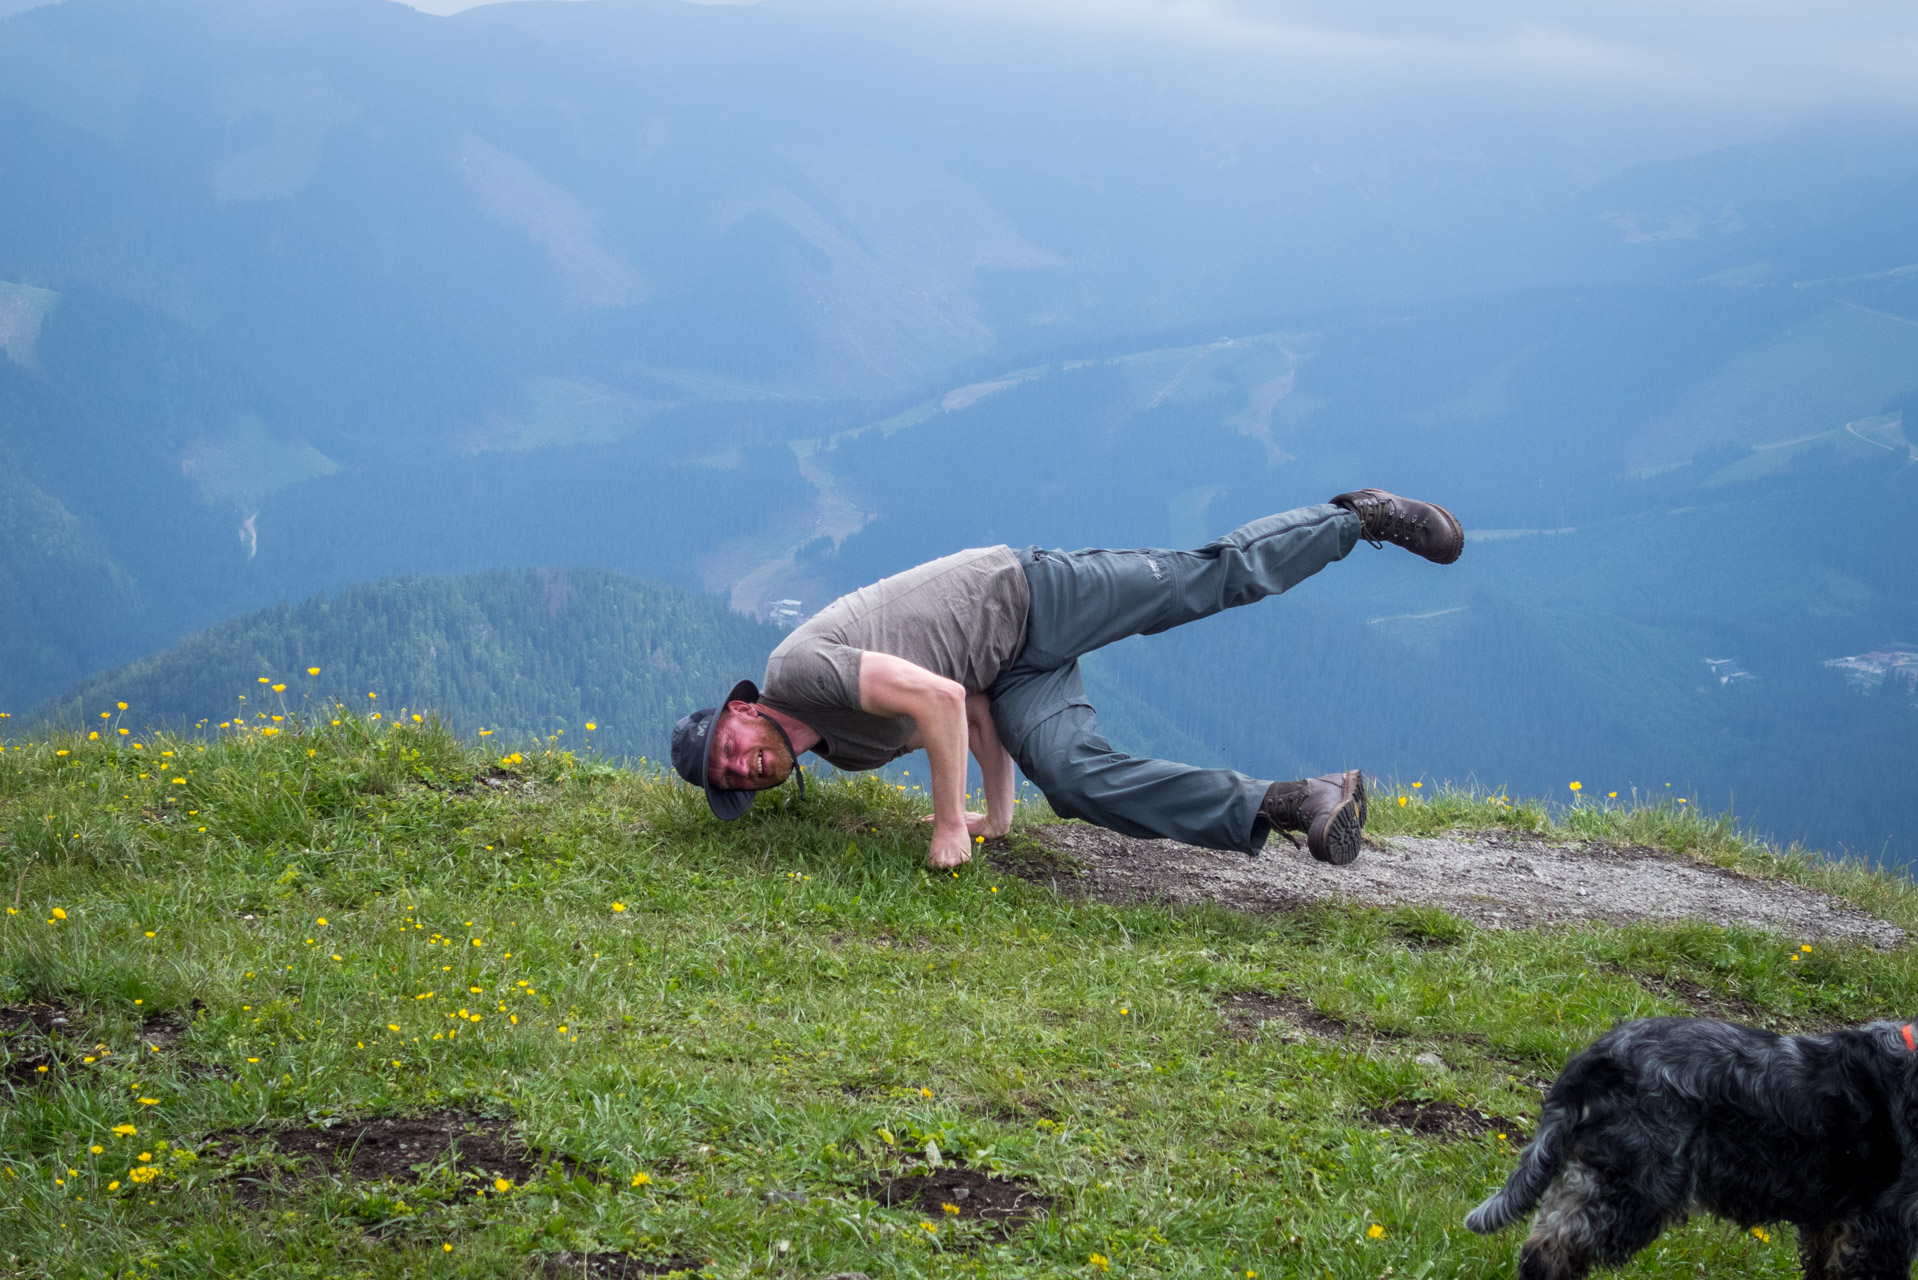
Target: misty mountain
522, 653
767, 302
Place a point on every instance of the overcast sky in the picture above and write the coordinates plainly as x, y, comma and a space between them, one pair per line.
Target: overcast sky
1781, 56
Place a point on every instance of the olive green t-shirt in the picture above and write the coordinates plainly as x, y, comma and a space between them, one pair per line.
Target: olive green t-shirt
962, 616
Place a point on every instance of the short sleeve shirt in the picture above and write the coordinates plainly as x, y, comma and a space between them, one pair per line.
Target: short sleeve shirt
962, 616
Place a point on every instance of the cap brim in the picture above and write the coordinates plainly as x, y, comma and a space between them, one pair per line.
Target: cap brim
727, 803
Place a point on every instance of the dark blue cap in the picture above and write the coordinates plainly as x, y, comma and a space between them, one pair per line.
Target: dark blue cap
692, 752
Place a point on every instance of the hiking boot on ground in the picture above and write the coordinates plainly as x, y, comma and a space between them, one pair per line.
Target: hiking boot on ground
1423, 528
1329, 811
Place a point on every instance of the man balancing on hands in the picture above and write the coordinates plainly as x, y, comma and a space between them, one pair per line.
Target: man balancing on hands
980, 651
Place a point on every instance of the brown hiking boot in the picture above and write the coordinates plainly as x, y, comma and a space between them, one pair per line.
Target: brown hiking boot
1423, 528
1329, 810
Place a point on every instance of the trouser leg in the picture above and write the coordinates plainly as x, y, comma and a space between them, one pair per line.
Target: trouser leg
1083, 600
1082, 776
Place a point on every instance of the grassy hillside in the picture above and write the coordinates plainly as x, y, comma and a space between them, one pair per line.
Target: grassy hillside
528, 652
774, 1047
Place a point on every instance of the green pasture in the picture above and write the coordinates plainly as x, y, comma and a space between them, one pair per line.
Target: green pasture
731, 1039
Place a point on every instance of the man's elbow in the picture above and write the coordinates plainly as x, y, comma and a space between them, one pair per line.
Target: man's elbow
949, 697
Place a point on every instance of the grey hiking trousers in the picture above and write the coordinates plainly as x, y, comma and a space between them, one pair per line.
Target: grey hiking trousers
1084, 600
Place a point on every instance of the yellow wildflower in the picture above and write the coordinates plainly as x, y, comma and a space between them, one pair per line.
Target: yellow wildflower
1374, 1231
641, 1178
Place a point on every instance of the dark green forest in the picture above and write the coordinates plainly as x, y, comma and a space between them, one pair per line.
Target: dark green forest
522, 652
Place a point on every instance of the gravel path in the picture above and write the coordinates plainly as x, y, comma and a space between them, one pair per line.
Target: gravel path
1496, 879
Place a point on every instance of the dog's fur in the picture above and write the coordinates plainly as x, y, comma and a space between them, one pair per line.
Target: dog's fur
1665, 1115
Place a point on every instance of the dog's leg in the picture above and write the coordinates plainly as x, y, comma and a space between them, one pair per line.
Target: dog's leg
1876, 1247
1569, 1230
1821, 1250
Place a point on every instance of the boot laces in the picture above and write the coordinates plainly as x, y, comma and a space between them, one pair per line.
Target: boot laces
1383, 521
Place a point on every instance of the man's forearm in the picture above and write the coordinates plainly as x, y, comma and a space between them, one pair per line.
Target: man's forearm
943, 727
995, 764
892, 686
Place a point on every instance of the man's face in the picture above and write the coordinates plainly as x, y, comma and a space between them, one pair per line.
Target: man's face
748, 752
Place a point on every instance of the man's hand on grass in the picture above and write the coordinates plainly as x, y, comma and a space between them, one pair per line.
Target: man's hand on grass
949, 849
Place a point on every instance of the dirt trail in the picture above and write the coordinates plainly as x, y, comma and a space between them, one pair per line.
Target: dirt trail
1495, 879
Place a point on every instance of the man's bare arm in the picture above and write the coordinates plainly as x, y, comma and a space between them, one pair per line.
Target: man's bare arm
995, 766
890, 686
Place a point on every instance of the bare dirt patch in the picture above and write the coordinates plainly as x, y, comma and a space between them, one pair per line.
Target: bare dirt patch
395, 1148
1497, 880
41, 1040
34, 1040
1446, 1121
1729, 1007
1002, 1202
1247, 1011
615, 1266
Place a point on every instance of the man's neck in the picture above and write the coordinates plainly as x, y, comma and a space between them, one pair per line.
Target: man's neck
801, 735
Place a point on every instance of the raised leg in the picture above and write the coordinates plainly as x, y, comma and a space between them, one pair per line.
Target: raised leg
1084, 600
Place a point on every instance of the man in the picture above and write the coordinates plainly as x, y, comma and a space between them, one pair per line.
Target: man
980, 651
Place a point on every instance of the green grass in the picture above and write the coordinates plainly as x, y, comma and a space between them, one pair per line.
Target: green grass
790, 1002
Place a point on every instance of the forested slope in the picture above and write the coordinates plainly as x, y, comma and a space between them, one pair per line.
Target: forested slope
519, 651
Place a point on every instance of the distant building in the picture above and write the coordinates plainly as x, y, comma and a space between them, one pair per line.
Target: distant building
785, 614
1728, 671
1868, 671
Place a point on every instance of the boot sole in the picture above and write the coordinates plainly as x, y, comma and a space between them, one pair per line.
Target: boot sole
1337, 837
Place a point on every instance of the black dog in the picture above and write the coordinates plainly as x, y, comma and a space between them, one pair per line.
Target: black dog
1665, 1115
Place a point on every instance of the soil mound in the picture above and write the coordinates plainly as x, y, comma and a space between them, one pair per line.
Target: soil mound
391, 1148
1445, 1121
1000, 1201
615, 1266
1497, 880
